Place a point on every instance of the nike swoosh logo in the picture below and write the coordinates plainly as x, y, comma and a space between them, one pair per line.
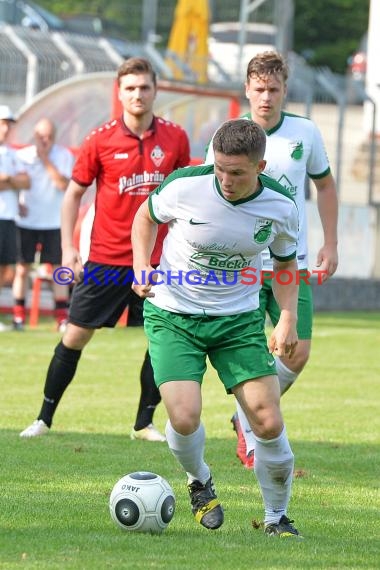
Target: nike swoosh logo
193, 223
270, 363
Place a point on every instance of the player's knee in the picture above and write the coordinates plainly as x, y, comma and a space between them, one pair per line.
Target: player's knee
75, 337
185, 422
269, 430
267, 423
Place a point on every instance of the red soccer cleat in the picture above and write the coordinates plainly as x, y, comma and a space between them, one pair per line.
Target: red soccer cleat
241, 449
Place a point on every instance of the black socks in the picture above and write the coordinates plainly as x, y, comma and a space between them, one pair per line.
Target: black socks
61, 371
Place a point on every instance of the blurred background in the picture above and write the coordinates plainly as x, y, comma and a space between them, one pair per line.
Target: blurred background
59, 58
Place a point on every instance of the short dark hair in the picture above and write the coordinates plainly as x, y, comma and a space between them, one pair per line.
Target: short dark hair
240, 136
267, 63
136, 65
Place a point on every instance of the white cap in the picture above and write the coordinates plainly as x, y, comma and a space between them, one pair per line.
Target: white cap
6, 113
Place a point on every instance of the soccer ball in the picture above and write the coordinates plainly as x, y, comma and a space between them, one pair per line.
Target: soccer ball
143, 502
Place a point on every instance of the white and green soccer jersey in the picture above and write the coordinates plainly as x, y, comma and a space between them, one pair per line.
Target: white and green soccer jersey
294, 151
212, 242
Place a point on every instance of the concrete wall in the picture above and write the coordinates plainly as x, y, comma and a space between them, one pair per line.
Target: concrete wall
342, 294
358, 245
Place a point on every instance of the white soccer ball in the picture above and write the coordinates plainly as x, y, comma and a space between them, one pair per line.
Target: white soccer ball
142, 502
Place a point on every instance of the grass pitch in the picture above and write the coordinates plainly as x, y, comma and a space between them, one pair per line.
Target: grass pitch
55, 489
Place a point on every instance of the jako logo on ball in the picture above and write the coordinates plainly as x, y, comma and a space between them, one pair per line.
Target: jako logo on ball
142, 502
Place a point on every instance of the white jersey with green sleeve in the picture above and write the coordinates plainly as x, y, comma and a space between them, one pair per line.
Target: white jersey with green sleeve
212, 243
294, 151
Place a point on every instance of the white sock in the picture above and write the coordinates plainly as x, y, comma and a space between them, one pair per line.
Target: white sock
274, 464
286, 377
188, 450
246, 429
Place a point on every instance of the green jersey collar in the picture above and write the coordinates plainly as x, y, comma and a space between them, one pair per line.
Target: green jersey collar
243, 200
273, 129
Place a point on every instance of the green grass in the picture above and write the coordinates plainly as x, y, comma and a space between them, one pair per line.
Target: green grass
55, 489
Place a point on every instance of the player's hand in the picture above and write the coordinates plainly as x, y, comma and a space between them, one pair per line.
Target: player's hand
327, 261
143, 282
283, 348
283, 340
73, 261
43, 148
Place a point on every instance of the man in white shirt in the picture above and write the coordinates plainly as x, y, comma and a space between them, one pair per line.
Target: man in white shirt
38, 226
13, 178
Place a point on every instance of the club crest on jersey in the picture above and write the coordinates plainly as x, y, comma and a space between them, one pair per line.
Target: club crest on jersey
157, 155
263, 229
296, 148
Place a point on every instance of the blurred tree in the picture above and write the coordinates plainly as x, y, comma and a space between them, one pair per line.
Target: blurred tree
327, 32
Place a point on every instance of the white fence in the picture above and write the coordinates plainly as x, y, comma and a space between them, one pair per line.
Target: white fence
32, 60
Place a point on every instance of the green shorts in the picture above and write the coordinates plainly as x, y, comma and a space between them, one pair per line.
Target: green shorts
268, 304
179, 344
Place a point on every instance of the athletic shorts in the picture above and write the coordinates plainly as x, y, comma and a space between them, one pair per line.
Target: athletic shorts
179, 344
7, 242
268, 304
48, 242
135, 311
135, 316
101, 297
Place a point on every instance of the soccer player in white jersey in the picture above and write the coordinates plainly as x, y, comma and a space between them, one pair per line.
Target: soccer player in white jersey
205, 302
294, 153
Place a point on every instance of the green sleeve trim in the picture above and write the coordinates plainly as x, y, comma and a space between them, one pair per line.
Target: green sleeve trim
286, 258
151, 212
322, 175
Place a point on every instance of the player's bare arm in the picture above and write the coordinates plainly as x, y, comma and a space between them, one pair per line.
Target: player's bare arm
327, 258
144, 233
69, 214
284, 338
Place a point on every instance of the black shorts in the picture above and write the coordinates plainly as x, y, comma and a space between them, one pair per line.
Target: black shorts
48, 242
7, 242
135, 311
101, 297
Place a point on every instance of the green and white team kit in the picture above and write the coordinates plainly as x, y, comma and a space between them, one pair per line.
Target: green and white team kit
213, 238
294, 150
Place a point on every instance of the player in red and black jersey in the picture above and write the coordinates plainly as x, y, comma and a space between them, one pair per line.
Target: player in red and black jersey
128, 158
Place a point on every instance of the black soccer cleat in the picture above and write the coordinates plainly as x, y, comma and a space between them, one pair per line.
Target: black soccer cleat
205, 505
283, 529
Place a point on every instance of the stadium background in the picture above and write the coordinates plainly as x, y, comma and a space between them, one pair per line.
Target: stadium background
71, 75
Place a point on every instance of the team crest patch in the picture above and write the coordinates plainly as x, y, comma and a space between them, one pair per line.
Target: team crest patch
296, 150
263, 229
157, 155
